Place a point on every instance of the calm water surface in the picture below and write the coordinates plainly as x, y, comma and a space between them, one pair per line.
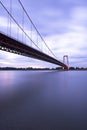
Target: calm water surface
43, 100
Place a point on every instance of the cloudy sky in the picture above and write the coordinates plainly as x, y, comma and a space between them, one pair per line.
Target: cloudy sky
62, 24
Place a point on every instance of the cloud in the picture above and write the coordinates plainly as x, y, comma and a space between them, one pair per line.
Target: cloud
63, 25
79, 15
72, 42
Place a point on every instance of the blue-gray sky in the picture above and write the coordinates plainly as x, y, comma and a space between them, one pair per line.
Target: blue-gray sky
62, 24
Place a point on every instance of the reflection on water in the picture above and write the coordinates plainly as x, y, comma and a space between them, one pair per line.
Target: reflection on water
6, 82
43, 100
6, 78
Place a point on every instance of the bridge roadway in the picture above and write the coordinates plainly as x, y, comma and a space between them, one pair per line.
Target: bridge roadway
10, 44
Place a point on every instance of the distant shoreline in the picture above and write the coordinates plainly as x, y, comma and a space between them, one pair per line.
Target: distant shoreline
8, 68
31, 69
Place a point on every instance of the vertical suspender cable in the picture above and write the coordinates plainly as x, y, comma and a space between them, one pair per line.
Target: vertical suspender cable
36, 28
11, 14
17, 33
18, 24
7, 23
37, 39
31, 34
22, 24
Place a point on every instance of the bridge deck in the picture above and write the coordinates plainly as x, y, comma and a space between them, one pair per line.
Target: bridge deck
12, 45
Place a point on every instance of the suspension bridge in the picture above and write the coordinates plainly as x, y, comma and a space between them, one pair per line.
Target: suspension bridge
19, 35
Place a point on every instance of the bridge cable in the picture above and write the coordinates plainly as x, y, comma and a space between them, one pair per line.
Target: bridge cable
11, 14
22, 24
36, 28
19, 25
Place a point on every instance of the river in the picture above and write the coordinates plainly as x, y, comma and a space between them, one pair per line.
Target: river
43, 100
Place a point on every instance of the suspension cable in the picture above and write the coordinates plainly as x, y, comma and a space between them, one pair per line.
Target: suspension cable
19, 25
11, 14
36, 28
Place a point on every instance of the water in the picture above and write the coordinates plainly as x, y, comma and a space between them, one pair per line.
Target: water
43, 100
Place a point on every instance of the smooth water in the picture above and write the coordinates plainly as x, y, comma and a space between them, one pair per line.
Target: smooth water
43, 100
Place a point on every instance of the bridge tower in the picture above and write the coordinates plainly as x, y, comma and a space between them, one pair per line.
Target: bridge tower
66, 61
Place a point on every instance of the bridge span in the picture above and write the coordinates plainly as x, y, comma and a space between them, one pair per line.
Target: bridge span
11, 45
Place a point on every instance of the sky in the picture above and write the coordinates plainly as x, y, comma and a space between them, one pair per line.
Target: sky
62, 24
